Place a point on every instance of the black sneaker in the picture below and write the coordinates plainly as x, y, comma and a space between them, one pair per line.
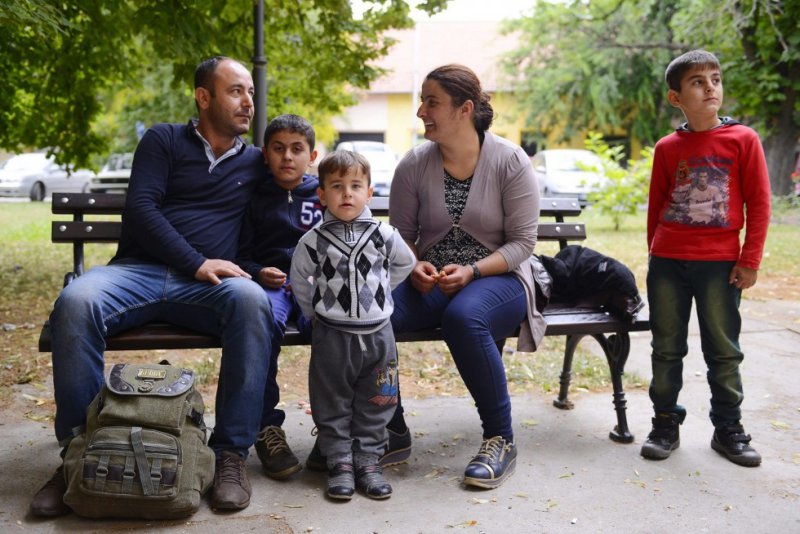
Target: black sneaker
734, 444
276, 457
494, 463
397, 452
663, 438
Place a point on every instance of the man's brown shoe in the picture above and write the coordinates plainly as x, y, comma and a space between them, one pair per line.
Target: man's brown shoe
231, 489
49, 500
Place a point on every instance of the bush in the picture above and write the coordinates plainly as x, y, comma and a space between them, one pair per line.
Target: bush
625, 190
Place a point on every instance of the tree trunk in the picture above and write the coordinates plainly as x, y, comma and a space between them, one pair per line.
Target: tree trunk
779, 149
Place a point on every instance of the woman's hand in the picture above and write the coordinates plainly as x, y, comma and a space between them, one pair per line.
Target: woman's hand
424, 276
453, 278
271, 277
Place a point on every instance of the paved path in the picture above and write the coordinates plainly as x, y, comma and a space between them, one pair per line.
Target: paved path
570, 477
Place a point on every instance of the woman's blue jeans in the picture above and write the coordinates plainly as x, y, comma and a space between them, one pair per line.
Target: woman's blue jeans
671, 286
116, 297
485, 310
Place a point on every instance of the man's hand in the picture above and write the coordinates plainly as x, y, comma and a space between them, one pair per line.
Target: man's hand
424, 277
212, 270
743, 277
271, 277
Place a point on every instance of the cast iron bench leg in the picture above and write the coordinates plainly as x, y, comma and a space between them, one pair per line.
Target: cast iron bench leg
616, 348
562, 401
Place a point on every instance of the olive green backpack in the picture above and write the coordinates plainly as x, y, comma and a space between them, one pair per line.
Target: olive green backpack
144, 452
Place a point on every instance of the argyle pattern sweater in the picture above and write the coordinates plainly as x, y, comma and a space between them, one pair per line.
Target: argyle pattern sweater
344, 273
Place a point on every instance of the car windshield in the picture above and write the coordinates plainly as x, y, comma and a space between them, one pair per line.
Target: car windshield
25, 161
572, 161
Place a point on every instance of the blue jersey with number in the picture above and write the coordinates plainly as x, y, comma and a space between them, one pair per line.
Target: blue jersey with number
275, 220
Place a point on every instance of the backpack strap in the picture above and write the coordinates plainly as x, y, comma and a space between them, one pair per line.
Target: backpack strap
141, 460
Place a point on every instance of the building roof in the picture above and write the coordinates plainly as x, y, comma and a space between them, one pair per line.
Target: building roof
478, 45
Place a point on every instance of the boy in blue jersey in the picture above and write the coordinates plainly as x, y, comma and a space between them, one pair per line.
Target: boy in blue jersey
284, 207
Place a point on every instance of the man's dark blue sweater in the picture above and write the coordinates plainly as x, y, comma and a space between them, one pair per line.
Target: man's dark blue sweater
275, 221
177, 212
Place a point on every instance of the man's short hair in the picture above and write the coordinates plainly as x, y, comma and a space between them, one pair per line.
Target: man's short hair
204, 73
681, 64
339, 162
290, 123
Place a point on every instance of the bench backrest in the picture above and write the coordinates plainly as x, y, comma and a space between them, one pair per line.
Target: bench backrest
78, 230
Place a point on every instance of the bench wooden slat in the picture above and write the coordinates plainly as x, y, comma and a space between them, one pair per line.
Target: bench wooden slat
88, 203
109, 231
86, 231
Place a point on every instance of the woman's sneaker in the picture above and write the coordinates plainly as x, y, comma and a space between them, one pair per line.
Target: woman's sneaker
663, 438
734, 444
494, 463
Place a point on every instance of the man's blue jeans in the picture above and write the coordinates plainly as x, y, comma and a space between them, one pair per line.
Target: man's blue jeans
485, 310
671, 286
116, 297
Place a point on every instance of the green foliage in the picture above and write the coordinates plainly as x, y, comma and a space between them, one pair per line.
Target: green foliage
626, 189
593, 66
599, 65
79, 74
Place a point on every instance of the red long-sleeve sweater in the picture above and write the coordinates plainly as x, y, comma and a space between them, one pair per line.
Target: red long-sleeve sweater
705, 187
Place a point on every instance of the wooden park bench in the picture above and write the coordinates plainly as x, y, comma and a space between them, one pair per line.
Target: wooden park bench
573, 322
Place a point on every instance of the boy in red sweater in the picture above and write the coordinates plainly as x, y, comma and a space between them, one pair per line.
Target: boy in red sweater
704, 175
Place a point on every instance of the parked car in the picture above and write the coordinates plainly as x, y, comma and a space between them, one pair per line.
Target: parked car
37, 175
115, 174
567, 173
382, 160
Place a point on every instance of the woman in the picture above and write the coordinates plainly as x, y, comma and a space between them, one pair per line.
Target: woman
468, 204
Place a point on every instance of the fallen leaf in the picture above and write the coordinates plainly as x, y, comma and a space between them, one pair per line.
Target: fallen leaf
780, 425
566, 475
285, 505
530, 422
480, 501
727, 507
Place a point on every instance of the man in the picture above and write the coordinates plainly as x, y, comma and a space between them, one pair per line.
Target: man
188, 190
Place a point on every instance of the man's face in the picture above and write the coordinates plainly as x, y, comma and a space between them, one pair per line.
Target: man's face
229, 107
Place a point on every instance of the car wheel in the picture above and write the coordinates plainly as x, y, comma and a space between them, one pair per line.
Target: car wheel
37, 192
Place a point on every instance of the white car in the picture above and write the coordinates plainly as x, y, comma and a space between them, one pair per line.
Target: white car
382, 161
567, 173
35, 176
115, 174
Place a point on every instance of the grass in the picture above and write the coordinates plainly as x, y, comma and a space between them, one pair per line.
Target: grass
32, 269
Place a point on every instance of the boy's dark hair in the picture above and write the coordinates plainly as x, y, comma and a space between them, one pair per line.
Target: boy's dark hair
339, 162
290, 123
678, 66
462, 84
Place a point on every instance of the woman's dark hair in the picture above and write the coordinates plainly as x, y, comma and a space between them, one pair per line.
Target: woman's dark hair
462, 84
